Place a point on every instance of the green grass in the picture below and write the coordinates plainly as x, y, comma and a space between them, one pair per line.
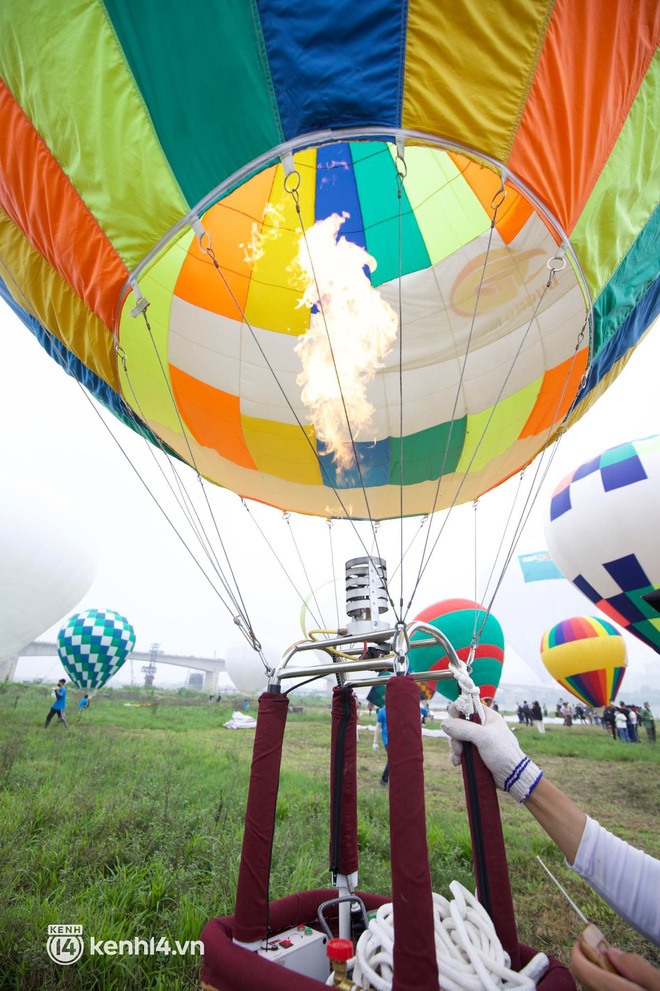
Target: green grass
130, 825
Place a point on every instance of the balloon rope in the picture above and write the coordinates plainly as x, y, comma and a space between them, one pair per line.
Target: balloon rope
287, 520
184, 499
493, 410
243, 612
211, 254
468, 951
61, 350
496, 203
334, 575
293, 192
522, 522
279, 561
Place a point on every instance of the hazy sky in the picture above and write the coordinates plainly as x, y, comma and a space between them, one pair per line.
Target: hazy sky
53, 438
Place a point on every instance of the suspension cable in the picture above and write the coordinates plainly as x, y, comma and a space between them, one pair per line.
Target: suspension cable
279, 561
208, 250
401, 173
424, 565
287, 519
496, 203
293, 192
196, 469
239, 620
528, 507
334, 576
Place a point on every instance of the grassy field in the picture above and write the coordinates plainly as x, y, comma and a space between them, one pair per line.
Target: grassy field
130, 825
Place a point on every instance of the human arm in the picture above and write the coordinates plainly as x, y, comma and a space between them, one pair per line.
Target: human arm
377, 735
625, 877
559, 816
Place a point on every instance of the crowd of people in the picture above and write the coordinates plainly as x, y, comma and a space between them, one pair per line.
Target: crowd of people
532, 715
623, 721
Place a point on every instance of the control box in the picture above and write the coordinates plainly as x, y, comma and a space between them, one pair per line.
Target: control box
301, 949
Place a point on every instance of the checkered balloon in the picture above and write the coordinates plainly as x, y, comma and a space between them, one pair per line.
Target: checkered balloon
603, 533
93, 645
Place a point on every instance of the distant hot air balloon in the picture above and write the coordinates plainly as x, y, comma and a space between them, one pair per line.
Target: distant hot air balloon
93, 645
603, 531
587, 656
48, 559
459, 619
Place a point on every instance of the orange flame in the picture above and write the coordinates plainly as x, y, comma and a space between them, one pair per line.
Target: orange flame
348, 312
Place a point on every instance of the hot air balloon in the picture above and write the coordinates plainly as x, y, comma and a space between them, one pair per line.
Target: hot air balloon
587, 656
312, 253
485, 224
460, 620
602, 531
47, 563
93, 645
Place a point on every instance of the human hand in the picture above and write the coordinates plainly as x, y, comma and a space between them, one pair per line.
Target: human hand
512, 770
634, 973
375, 746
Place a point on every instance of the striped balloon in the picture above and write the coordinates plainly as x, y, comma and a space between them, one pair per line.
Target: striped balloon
587, 656
463, 189
459, 619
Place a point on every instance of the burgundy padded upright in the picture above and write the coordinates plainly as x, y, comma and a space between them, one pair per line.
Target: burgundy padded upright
343, 783
488, 850
251, 917
415, 967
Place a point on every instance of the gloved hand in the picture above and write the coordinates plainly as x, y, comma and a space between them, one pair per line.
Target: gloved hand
513, 771
375, 746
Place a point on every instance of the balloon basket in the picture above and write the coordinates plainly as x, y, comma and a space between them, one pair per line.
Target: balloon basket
228, 967
242, 952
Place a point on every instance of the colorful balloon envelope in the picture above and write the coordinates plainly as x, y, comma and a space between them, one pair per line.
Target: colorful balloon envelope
463, 191
459, 620
587, 656
603, 531
93, 645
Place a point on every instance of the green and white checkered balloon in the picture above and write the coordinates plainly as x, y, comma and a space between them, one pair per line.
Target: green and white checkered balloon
93, 645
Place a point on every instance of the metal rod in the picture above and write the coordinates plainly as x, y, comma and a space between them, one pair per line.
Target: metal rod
564, 892
417, 675
339, 667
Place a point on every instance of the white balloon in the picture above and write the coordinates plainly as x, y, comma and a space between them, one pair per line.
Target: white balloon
48, 560
245, 668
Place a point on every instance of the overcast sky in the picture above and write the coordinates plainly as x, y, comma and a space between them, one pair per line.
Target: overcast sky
52, 438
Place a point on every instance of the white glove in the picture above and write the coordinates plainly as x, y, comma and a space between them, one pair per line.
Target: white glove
375, 746
513, 771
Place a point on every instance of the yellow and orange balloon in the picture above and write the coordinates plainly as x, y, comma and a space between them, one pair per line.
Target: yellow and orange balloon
587, 656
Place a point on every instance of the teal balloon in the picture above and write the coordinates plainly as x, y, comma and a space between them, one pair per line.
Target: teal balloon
93, 645
458, 619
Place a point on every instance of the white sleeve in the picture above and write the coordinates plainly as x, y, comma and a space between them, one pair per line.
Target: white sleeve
626, 878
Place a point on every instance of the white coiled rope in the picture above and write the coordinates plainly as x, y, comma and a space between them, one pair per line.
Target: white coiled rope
469, 954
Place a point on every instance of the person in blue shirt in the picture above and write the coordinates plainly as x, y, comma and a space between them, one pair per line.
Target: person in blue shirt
381, 728
59, 705
84, 703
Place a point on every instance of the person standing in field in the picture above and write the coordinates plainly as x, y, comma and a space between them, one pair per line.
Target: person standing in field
381, 728
59, 705
609, 721
83, 704
621, 725
648, 722
537, 716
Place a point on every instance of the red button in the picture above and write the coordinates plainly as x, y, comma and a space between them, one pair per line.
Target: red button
286, 943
